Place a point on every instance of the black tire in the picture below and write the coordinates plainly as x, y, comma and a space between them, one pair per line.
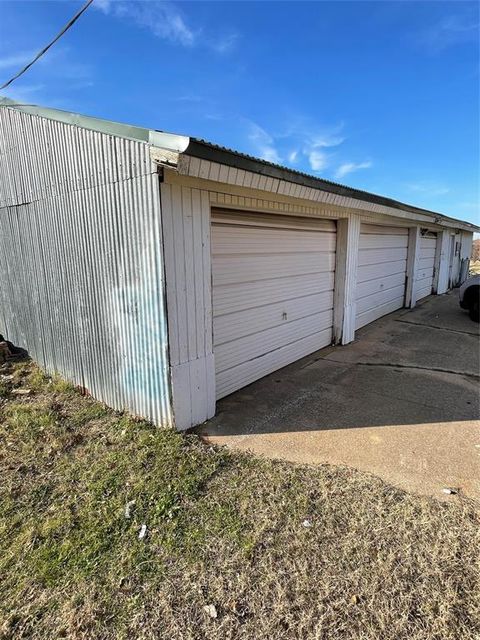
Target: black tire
474, 309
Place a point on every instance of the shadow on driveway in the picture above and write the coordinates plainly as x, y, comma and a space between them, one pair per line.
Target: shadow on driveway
402, 401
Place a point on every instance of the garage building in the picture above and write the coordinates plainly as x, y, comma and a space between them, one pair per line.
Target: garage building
161, 273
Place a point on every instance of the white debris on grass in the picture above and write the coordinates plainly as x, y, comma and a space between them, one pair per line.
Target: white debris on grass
143, 532
128, 508
211, 610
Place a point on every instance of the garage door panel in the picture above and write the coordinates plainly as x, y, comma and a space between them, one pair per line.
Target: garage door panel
237, 324
382, 259
252, 346
380, 298
427, 253
272, 293
425, 268
233, 269
426, 263
382, 241
370, 272
425, 281
373, 314
423, 292
377, 229
236, 297
273, 241
381, 256
425, 274
229, 381
272, 221
370, 287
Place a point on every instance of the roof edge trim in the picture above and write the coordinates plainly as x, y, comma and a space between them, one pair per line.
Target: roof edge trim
206, 151
170, 141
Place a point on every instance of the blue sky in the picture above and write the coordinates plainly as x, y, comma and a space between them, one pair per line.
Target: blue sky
382, 95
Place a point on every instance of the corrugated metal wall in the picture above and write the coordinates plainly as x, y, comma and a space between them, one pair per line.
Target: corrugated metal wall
81, 266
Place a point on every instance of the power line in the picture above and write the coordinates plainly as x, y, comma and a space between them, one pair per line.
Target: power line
50, 44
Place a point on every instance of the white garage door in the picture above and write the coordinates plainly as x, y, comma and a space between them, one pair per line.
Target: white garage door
426, 262
273, 279
382, 267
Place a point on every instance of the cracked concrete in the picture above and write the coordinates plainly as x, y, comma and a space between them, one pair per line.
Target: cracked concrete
402, 402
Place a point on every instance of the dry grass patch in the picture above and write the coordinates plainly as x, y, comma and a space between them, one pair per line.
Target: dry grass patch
273, 550
474, 268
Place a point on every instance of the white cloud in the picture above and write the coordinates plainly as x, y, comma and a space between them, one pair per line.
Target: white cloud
263, 143
314, 143
225, 43
295, 144
326, 140
16, 60
167, 22
349, 167
318, 160
293, 156
103, 5
428, 189
451, 30
162, 18
25, 94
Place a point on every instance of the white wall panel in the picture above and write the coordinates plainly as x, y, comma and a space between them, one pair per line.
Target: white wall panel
346, 271
186, 230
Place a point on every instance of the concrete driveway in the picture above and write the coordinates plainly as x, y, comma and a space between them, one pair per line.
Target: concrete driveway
402, 402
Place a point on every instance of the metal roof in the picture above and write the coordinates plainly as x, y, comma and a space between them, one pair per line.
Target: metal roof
202, 149
208, 151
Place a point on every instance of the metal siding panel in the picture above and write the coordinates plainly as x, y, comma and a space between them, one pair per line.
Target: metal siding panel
81, 260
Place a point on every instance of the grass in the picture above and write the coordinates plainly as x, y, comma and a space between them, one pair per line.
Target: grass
223, 529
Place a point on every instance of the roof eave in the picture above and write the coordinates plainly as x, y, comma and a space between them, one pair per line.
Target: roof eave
206, 151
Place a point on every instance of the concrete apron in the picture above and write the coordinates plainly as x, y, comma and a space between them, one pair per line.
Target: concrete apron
401, 401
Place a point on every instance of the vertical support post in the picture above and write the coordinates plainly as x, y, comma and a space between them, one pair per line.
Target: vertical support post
442, 262
186, 245
346, 266
412, 266
465, 255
